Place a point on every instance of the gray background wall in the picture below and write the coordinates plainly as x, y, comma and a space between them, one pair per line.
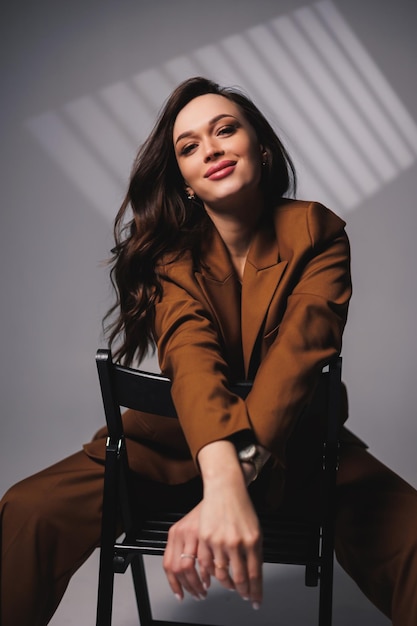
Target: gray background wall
81, 85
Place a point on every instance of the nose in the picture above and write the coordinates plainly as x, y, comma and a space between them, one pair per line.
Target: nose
212, 150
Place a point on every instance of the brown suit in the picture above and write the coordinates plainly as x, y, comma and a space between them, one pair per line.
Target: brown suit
279, 328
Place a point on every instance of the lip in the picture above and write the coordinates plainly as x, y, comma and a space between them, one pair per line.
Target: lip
224, 168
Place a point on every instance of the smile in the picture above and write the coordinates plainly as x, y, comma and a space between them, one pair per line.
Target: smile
220, 170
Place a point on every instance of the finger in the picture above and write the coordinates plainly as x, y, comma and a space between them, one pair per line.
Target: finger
180, 568
175, 585
188, 575
182, 576
239, 574
246, 572
205, 564
168, 565
254, 572
221, 571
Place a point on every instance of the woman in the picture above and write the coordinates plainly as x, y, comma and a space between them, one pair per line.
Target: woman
231, 279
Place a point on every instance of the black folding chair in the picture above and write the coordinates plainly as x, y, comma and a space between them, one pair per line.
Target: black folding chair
286, 539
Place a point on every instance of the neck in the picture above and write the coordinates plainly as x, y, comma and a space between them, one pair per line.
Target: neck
237, 231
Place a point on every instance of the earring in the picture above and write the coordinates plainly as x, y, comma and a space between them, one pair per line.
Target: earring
191, 196
264, 163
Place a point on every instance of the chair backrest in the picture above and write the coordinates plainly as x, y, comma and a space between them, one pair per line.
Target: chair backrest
136, 389
151, 392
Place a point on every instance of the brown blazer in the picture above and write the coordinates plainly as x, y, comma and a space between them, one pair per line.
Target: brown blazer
279, 328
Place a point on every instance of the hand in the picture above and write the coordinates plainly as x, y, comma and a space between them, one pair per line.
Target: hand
230, 545
240, 550
221, 534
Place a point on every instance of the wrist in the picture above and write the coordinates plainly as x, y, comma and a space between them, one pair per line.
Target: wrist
218, 460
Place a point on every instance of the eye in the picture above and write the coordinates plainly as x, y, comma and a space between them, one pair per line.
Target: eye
227, 129
187, 148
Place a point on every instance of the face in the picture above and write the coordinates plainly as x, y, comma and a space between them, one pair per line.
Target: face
217, 151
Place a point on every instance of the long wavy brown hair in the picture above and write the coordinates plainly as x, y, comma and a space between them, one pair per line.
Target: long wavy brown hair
165, 222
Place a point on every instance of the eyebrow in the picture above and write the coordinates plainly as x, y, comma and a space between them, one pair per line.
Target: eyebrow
189, 133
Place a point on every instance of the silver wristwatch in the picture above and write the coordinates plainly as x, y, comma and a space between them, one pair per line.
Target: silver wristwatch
250, 454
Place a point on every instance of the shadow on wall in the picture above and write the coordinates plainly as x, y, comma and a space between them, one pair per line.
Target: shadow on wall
339, 110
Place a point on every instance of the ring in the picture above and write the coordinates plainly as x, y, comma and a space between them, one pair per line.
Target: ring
226, 567
188, 556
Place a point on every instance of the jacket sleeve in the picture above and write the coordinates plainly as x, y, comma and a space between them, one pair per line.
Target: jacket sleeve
189, 350
309, 334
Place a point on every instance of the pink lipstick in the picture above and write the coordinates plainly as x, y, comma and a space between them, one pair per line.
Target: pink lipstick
220, 170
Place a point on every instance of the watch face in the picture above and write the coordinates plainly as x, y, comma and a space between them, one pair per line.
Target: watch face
248, 453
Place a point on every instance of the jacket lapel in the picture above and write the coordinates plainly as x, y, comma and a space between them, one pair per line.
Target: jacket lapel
240, 315
217, 280
263, 272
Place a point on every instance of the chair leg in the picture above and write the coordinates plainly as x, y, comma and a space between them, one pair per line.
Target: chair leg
105, 592
326, 593
108, 532
141, 590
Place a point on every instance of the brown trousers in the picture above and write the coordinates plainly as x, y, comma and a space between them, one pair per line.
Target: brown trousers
51, 524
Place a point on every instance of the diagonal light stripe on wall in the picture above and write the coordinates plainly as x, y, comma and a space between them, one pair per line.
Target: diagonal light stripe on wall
374, 82
326, 106
358, 94
77, 161
133, 116
96, 126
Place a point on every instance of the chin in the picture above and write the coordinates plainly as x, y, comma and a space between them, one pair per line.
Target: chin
230, 194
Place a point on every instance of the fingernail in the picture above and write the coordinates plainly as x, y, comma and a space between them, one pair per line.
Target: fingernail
245, 598
206, 586
177, 595
256, 606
